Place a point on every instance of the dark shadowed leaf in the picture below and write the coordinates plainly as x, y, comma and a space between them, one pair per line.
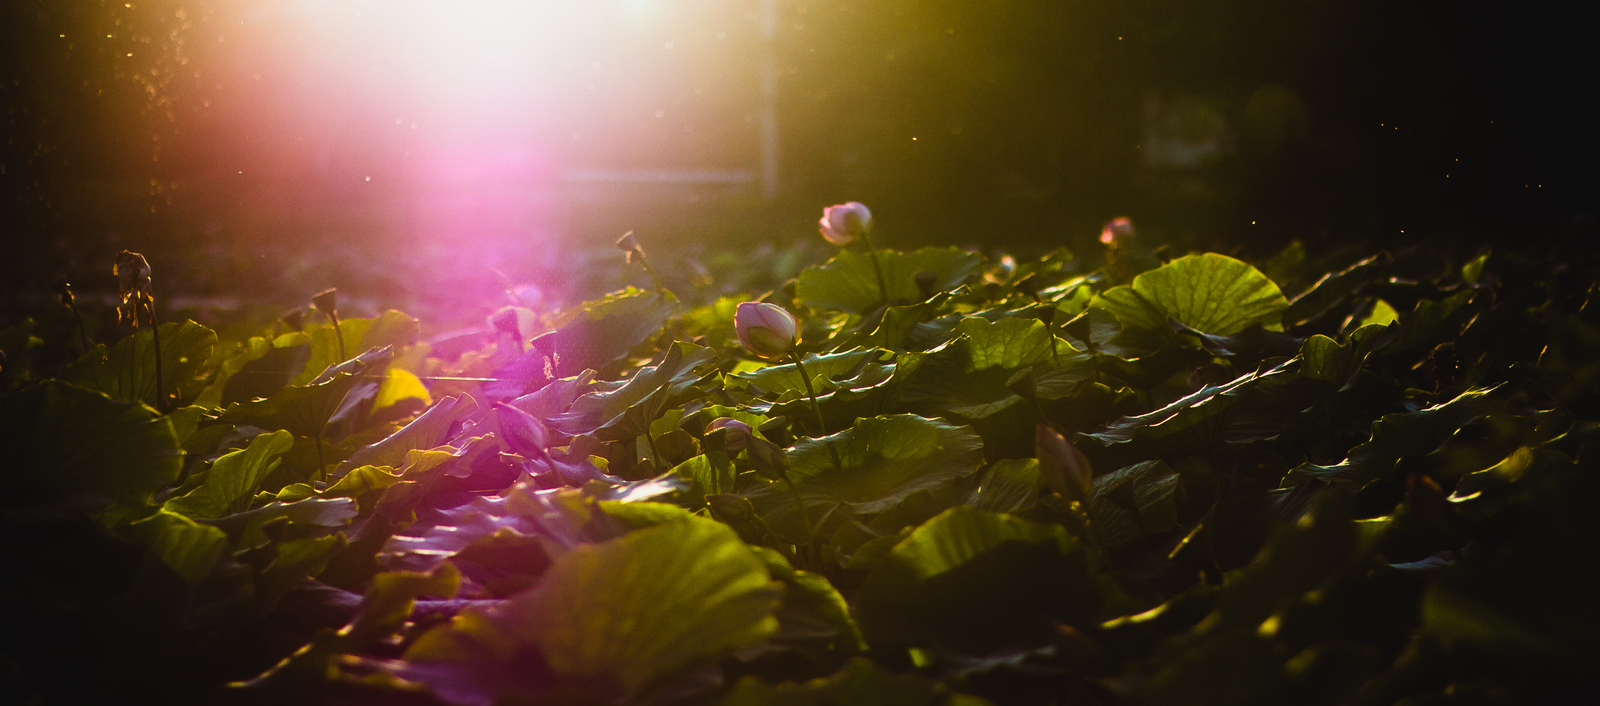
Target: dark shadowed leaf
1397, 436
65, 444
860, 683
1134, 501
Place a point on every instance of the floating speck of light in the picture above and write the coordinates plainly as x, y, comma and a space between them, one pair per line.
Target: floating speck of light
369, 178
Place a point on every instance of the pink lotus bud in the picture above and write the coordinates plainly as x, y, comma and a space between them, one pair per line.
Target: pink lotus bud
1063, 466
765, 329
1117, 232
843, 223
737, 436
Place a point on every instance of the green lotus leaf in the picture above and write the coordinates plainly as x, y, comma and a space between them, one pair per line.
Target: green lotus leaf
1211, 293
595, 334
631, 611
708, 474
1005, 573
627, 411
64, 444
127, 371
884, 459
257, 367
860, 683
830, 371
189, 548
391, 328
425, 432
303, 411
233, 478
1135, 501
1011, 485
1396, 436
969, 375
848, 282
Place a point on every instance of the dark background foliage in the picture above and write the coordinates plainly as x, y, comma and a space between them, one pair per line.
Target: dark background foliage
1033, 121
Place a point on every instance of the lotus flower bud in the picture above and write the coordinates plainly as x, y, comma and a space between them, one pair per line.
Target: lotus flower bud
1117, 232
133, 279
627, 243
327, 302
843, 223
732, 507
767, 458
737, 436
765, 329
1063, 466
63, 289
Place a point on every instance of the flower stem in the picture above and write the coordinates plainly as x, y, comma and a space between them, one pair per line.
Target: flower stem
883, 289
83, 335
322, 464
660, 290
155, 337
805, 517
816, 409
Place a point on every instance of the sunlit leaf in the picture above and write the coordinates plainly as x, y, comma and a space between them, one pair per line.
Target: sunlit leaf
189, 548
884, 459
233, 478
128, 370
1212, 293
596, 333
303, 411
848, 283
633, 610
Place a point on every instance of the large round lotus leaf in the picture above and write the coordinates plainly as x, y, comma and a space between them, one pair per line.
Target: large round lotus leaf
883, 459
849, 283
1210, 293
632, 610
127, 371
975, 581
60, 443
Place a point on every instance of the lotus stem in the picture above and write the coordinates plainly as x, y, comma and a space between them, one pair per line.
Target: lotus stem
883, 289
816, 409
83, 334
805, 517
155, 337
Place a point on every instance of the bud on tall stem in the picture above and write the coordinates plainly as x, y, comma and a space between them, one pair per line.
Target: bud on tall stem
841, 224
133, 279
